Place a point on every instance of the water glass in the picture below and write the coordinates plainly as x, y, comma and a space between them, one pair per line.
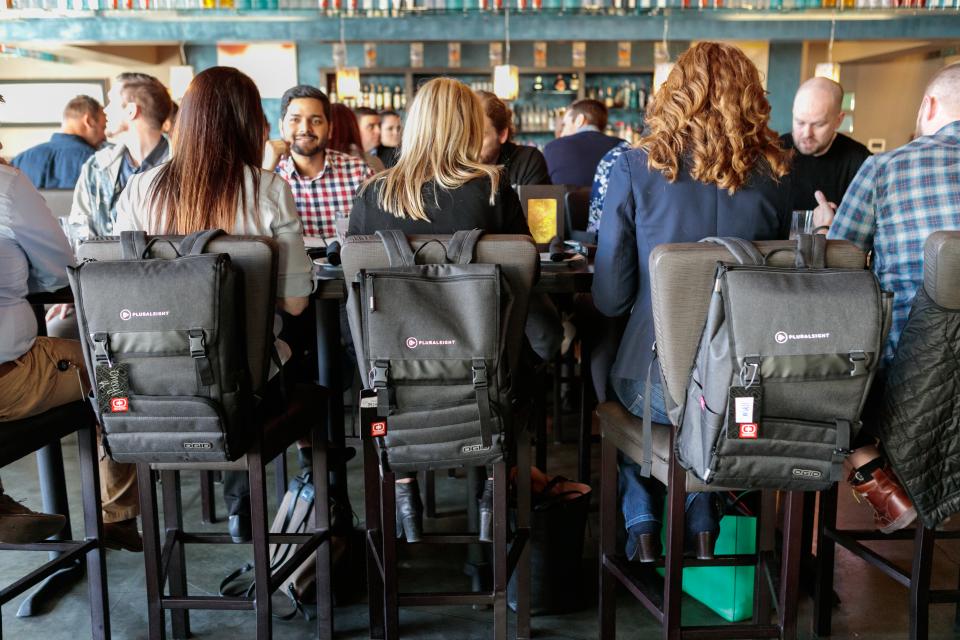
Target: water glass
801, 222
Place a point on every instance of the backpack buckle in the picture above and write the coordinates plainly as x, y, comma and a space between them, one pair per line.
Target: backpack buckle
378, 374
858, 359
198, 344
479, 373
101, 348
751, 368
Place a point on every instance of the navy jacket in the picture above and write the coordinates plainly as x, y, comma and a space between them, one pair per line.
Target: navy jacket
55, 164
641, 210
574, 159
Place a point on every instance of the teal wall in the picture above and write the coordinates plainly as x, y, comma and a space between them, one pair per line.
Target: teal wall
783, 78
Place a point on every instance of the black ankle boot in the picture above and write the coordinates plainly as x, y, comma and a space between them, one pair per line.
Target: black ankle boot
409, 511
486, 512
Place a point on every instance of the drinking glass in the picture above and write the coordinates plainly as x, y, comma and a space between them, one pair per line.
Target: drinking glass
801, 222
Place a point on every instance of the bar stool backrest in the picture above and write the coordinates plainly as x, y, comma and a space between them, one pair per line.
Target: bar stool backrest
516, 255
941, 268
681, 282
255, 256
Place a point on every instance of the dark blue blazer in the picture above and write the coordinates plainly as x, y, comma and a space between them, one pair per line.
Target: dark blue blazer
55, 164
574, 159
641, 210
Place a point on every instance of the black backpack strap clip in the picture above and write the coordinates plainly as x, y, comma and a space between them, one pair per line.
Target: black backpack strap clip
198, 351
379, 376
844, 431
101, 348
480, 386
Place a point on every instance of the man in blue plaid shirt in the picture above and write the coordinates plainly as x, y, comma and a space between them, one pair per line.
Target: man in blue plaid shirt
896, 200
899, 198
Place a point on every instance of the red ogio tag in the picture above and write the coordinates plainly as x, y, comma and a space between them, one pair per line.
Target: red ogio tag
749, 430
119, 405
378, 429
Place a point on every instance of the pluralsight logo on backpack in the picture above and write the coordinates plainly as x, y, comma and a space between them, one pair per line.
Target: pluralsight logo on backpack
413, 343
782, 336
126, 314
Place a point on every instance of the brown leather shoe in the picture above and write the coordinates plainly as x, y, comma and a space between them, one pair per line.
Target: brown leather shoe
20, 525
122, 535
647, 548
892, 508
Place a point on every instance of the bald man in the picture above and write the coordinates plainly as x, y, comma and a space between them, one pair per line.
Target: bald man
895, 202
825, 160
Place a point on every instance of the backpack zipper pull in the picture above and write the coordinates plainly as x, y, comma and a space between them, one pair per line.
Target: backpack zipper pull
373, 302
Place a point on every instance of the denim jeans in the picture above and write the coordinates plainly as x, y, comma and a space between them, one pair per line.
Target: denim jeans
642, 498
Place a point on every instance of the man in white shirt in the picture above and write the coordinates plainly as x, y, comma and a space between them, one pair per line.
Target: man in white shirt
39, 373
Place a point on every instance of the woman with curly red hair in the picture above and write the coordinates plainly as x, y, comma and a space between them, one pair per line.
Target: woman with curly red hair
708, 165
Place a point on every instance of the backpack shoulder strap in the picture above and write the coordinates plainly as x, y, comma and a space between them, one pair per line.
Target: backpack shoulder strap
462, 245
811, 251
133, 244
195, 243
397, 247
743, 250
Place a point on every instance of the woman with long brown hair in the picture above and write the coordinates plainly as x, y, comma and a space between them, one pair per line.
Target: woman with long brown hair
345, 136
708, 165
214, 181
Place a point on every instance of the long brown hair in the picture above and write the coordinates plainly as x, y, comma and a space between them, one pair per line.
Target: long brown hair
712, 112
219, 134
441, 143
344, 130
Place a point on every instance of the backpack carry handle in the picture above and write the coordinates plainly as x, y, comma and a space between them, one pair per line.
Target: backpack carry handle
195, 243
134, 245
810, 252
742, 250
459, 249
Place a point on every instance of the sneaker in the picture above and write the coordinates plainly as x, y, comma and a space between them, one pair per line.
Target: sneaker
892, 507
20, 525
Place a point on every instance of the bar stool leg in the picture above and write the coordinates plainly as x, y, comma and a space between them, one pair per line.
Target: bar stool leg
374, 542
766, 539
673, 565
920, 583
557, 399
790, 571
156, 625
608, 538
388, 516
586, 414
826, 554
500, 551
321, 521
523, 524
93, 529
173, 523
208, 500
430, 493
280, 476
261, 549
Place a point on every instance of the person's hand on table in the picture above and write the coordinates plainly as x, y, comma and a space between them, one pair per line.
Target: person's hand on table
273, 150
824, 213
61, 311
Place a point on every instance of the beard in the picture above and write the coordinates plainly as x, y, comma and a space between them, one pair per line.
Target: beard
307, 145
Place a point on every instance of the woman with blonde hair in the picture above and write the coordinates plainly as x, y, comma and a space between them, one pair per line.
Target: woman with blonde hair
708, 165
438, 186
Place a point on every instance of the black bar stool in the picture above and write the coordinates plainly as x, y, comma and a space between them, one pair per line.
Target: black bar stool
20, 438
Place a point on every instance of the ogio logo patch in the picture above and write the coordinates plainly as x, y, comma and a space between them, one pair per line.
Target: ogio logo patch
473, 448
811, 474
198, 445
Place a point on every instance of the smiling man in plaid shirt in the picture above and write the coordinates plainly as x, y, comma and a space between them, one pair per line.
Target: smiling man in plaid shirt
324, 182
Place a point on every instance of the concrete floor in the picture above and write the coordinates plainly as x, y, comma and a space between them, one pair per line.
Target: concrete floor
873, 606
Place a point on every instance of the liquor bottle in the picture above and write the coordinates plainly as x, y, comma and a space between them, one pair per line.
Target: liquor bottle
333, 96
378, 98
575, 82
538, 83
608, 98
560, 84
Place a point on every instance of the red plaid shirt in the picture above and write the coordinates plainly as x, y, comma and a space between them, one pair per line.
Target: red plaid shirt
332, 191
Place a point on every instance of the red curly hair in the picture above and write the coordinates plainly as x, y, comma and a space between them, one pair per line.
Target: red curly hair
711, 114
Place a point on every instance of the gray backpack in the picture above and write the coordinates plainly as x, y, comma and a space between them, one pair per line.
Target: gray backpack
430, 341
784, 365
164, 342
